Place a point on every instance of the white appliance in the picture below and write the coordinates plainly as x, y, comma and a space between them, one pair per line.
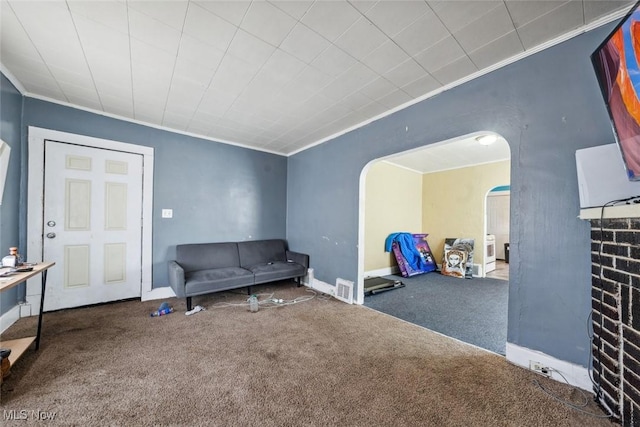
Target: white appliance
602, 177
490, 253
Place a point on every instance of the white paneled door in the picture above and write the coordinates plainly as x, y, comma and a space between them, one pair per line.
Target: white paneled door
92, 225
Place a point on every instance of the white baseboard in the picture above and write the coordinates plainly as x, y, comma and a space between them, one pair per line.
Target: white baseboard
158, 293
388, 271
575, 375
9, 318
319, 285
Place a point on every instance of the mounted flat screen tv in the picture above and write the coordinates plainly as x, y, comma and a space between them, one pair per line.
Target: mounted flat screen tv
617, 65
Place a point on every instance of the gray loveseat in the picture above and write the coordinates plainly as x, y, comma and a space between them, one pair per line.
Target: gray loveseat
203, 268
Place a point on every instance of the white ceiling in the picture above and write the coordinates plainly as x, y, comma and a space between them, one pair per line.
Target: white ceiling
456, 154
278, 76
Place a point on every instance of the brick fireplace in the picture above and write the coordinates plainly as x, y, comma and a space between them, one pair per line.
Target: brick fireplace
615, 296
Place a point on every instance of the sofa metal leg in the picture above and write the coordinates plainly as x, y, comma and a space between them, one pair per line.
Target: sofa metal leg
248, 290
299, 281
188, 303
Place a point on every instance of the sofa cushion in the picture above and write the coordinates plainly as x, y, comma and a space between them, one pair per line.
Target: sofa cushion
204, 256
204, 281
261, 252
277, 270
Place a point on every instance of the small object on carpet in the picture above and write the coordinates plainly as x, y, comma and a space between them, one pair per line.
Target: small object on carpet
194, 310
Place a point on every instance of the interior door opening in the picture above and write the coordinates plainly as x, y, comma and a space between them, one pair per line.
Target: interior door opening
451, 197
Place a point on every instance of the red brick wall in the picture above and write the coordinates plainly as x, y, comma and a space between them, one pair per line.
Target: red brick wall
615, 292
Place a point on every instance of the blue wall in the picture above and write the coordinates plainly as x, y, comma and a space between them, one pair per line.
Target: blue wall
10, 125
218, 192
546, 106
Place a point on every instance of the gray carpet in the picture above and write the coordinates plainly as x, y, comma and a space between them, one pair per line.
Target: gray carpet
471, 310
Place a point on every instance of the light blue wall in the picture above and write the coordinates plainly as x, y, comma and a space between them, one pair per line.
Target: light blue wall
10, 122
546, 106
218, 192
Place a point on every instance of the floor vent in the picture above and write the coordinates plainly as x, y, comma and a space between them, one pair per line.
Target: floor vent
344, 290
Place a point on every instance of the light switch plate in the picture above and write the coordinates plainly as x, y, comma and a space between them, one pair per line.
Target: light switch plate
167, 213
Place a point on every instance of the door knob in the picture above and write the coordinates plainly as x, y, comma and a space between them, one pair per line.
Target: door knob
51, 235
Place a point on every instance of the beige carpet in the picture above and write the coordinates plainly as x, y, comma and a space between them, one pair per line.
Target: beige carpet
315, 363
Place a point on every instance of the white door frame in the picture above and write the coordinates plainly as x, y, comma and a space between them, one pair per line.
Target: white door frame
35, 195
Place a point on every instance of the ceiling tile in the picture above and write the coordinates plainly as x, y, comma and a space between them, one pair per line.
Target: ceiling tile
148, 112
16, 62
596, 9
78, 77
233, 75
378, 88
422, 86
333, 61
565, 18
208, 28
498, 50
197, 51
190, 70
394, 16
215, 102
363, 6
485, 29
455, 71
171, 13
107, 67
394, 99
456, 15
304, 43
350, 81
122, 89
267, 22
295, 9
423, 33
523, 12
153, 32
330, 18
76, 91
47, 90
119, 106
13, 38
354, 101
361, 39
440, 54
70, 56
250, 48
149, 57
98, 37
231, 11
405, 73
308, 82
385, 57
283, 67
111, 14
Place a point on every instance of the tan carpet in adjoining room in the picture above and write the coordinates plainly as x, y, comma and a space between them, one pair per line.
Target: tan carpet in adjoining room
316, 363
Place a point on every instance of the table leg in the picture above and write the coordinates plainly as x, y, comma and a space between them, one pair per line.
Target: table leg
44, 282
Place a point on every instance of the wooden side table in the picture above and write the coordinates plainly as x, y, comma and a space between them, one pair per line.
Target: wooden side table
20, 345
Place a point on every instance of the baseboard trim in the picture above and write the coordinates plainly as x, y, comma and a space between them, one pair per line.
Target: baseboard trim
9, 318
575, 375
387, 271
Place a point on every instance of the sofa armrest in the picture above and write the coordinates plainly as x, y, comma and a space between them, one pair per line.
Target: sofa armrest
176, 278
300, 258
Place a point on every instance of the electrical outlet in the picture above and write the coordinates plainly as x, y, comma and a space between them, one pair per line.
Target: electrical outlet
539, 368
